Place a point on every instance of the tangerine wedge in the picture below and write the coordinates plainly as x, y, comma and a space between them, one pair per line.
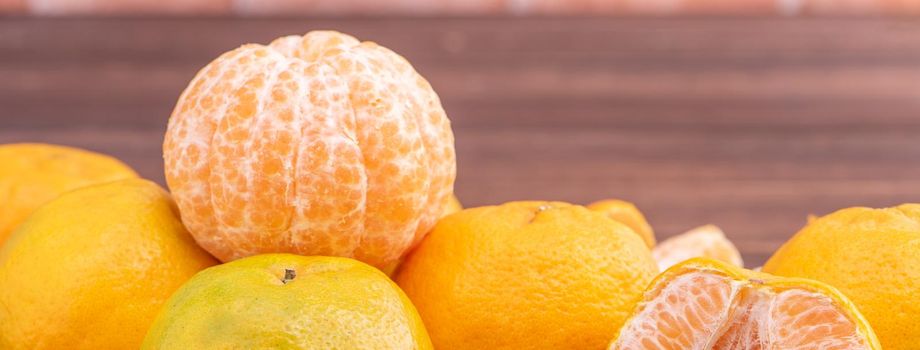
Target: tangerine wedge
707, 241
707, 304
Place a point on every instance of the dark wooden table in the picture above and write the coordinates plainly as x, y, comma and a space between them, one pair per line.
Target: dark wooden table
750, 124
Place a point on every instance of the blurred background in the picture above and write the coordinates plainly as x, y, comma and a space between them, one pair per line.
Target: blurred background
461, 7
749, 115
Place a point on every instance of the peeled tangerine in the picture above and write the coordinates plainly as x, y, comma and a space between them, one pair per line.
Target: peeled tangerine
706, 304
315, 145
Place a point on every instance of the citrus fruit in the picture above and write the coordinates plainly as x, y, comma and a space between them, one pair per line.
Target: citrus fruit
627, 214
872, 256
315, 145
32, 174
91, 269
526, 275
453, 206
706, 304
284, 301
704, 241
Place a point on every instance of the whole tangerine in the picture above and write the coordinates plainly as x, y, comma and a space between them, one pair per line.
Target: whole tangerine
869, 254
526, 275
284, 301
626, 213
91, 268
34, 173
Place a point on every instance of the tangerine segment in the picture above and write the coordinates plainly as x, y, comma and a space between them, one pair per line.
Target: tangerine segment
706, 304
315, 145
706, 241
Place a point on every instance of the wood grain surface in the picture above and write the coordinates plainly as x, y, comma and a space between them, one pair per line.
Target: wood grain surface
750, 124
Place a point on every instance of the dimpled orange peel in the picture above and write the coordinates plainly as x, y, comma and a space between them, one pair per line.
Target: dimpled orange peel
703, 303
526, 275
288, 302
34, 173
90, 269
873, 256
627, 214
315, 145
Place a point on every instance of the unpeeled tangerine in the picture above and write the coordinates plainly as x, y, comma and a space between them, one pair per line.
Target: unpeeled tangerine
314, 145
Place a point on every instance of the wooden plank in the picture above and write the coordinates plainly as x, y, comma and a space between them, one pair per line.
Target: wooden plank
750, 124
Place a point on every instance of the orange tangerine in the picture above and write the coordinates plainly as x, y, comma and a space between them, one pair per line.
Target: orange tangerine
627, 214
452, 207
91, 268
316, 145
526, 275
34, 173
871, 255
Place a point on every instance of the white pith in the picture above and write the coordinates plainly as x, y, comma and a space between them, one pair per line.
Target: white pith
752, 319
